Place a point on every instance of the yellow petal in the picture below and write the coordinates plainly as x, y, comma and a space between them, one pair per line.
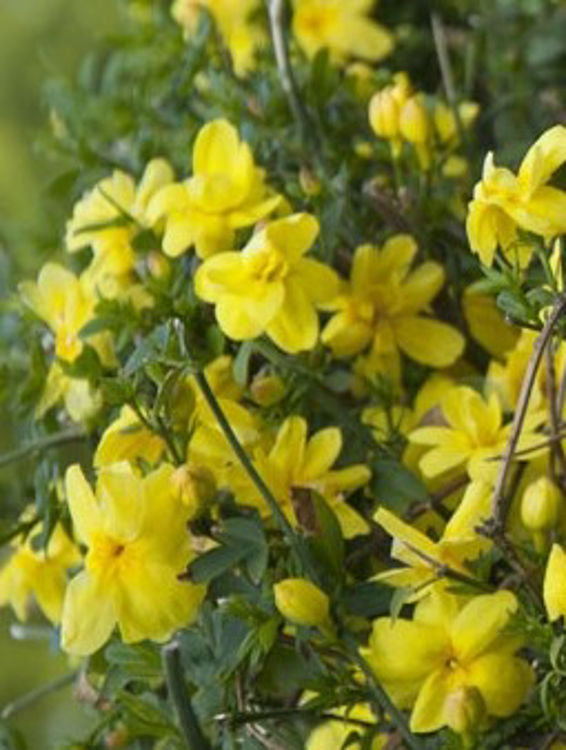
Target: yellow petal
49, 591
319, 281
119, 490
85, 511
543, 158
503, 681
216, 148
427, 341
294, 327
480, 622
405, 533
290, 445
88, 616
321, 452
429, 711
293, 235
555, 583
422, 286
351, 522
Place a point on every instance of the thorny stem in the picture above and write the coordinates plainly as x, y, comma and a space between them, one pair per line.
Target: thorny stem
279, 713
73, 435
177, 690
294, 541
276, 10
27, 700
500, 502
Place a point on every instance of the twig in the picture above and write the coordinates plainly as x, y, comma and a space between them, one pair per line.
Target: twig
294, 541
254, 730
557, 459
276, 10
177, 689
280, 713
441, 47
73, 435
500, 504
27, 700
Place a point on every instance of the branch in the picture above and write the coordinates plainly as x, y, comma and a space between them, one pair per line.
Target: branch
441, 47
500, 503
27, 700
178, 695
276, 10
72, 435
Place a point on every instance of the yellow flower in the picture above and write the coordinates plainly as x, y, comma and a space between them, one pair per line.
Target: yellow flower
384, 118
474, 436
332, 734
61, 301
344, 28
226, 192
504, 202
383, 306
241, 35
195, 487
554, 590
445, 119
301, 602
117, 202
270, 287
137, 542
295, 463
451, 650
41, 573
421, 557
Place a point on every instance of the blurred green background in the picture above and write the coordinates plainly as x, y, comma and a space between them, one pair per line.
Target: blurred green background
38, 39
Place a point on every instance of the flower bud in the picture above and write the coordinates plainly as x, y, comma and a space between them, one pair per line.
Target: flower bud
384, 114
267, 390
554, 587
301, 602
540, 505
401, 89
540, 509
465, 710
158, 265
194, 485
445, 122
414, 122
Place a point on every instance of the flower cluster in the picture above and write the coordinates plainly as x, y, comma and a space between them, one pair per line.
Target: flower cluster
320, 403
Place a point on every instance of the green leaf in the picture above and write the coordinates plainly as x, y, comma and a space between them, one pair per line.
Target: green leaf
326, 541
241, 364
368, 599
396, 486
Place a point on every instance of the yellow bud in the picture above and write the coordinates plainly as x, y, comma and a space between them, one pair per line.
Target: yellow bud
454, 167
414, 122
301, 602
267, 390
465, 710
194, 485
540, 505
310, 184
554, 588
468, 113
363, 149
402, 88
158, 265
445, 122
384, 114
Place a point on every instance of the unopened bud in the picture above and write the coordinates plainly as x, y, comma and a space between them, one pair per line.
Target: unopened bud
465, 710
158, 265
267, 390
414, 122
445, 122
194, 485
301, 602
540, 505
384, 113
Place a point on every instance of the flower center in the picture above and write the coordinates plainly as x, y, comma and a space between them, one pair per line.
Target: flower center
106, 554
268, 266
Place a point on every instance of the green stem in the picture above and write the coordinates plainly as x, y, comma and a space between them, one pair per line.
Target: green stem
237, 719
383, 702
294, 541
27, 700
50, 441
23, 528
177, 689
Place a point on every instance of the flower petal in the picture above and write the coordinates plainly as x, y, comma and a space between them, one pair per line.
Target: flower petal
480, 622
88, 616
428, 341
